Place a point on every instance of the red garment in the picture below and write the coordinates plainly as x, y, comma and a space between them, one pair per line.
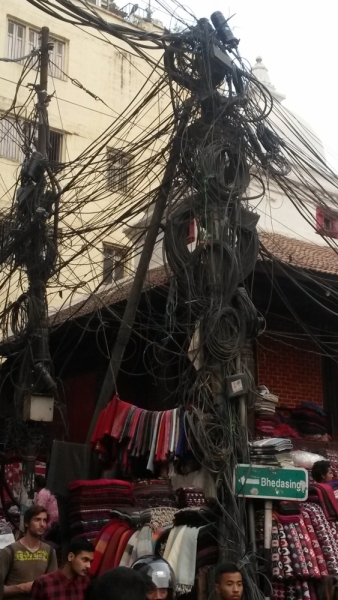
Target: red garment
97, 434
125, 537
160, 438
110, 416
112, 546
102, 543
57, 586
122, 411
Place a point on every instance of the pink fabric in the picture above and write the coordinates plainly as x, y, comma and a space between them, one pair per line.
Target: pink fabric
46, 499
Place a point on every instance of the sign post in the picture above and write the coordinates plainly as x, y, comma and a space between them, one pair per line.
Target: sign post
271, 483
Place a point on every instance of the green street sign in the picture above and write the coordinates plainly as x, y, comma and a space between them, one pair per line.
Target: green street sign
256, 481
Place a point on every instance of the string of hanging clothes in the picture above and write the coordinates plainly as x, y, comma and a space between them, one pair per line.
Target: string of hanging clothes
125, 433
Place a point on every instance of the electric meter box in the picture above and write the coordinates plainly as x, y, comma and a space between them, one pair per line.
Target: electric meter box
38, 408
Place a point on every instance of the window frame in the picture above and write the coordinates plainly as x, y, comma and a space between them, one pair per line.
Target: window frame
18, 158
109, 275
56, 71
122, 184
326, 222
16, 24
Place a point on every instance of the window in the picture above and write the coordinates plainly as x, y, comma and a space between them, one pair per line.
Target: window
16, 47
113, 263
14, 134
118, 163
57, 59
102, 3
55, 147
10, 139
15, 40
327, 222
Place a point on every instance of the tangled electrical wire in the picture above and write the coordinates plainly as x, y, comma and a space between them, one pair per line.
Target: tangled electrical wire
232, 150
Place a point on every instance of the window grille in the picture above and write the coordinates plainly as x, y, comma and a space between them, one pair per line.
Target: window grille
11, 139
113, 263
118, 170
57, 59
15, 40
55, 147
16, 47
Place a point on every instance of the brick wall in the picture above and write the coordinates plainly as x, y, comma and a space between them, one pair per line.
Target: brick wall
294, 374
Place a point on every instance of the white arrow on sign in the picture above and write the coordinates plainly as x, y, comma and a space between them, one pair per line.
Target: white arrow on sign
244, 480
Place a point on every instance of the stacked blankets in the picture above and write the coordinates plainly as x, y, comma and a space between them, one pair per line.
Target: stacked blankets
265, 407
304, 549
309, 419
271, 451
154, 492
190, 496
90, 504
125, 433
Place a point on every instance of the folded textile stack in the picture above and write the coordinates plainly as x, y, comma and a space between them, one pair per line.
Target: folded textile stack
265, 407
310, 420
90, 504
190, 496
332, 456
272, 451
154, 492
323, 494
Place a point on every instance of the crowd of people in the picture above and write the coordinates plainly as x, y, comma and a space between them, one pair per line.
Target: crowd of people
29, 569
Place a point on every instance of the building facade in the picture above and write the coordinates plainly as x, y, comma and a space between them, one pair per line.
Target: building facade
93, 78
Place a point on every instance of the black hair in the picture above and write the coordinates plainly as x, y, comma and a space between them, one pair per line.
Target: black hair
40, 481
320, 469
80, 545
117, 584
33, 511
225, 568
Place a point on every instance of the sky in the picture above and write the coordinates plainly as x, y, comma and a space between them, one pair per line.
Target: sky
298, 41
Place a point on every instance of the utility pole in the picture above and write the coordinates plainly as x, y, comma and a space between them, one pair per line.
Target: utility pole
33, 215
42, 92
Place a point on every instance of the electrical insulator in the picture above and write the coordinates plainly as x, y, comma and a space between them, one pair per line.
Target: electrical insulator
223, 30
206, 25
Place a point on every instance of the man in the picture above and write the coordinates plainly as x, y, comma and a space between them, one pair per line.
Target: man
24, 561
158, 576
229, 582
72, 580
322, 472
117, 584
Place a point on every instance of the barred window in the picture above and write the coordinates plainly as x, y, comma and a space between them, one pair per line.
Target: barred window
14, 135
113, 263
16, 47
57, 59
15, 40
10, 139
118, 170
55, 147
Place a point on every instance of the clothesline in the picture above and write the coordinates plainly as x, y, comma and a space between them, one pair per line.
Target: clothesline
125, 432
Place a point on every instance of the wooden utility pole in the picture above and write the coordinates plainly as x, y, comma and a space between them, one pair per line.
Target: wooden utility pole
37, 314
128, 319
42, 93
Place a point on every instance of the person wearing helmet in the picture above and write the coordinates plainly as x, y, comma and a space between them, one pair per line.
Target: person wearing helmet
158, 575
